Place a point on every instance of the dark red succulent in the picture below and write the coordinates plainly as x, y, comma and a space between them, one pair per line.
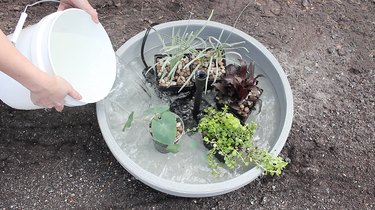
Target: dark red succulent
239, 88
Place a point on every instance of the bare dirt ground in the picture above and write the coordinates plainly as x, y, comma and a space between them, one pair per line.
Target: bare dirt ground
51, 160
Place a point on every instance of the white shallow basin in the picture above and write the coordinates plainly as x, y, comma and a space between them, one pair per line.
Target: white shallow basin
186, 173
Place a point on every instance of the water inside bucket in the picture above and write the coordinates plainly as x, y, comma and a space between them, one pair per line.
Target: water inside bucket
81, 52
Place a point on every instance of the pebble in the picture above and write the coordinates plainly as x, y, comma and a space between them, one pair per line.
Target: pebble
264, 200
49, 190
305, 3
2, 164
330, 50
341, 52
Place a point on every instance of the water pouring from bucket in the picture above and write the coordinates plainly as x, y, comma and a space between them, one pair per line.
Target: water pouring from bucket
70, 45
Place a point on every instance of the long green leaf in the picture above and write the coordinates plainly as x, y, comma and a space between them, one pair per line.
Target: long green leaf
128, 123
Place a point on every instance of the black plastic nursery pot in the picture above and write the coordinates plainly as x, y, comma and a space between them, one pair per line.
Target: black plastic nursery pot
162, 148
175, 88
218, 156
242, 118
204, 67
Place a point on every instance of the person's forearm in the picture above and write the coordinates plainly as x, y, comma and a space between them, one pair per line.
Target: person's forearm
17, 66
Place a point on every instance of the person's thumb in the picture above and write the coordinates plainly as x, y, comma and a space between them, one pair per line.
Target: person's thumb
63, 6
94, 15
74, 94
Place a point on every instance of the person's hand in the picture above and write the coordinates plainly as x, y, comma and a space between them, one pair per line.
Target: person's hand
81, 4
52, 93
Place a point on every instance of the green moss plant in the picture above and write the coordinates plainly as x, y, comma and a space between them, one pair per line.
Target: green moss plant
234, 143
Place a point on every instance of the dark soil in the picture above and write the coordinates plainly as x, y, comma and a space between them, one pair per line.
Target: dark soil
51, 160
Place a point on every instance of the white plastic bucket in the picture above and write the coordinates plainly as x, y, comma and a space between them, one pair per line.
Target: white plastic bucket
68, 44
